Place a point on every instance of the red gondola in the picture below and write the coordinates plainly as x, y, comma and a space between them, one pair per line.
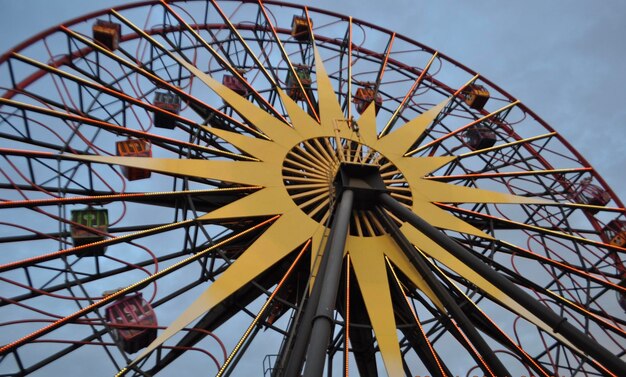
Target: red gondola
132, 311
234, 84
107, 33
476, 96
366, 95
479, 137
586, 193
170, 103
615, 232
134, 148
300, 28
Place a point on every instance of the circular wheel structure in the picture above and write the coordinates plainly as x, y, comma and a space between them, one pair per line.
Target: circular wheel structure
246, 188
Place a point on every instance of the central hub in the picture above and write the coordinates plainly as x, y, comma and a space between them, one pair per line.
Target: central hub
316, 171
363, 179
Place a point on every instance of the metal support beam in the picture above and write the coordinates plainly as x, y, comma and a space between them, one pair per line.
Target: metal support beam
301, 328
323, 320
558, 324
494, 365
296, 357
291, 359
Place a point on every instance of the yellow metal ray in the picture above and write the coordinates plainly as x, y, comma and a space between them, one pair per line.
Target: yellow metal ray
399, 141
450, 193
371, 273
264, 150
440, 218
330, 110
432, 249
275, 243
414, 168
265, 202
401, 261
243, 172
267, 123
387, 245
301, 121
367, 125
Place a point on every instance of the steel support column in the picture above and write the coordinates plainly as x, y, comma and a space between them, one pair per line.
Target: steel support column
293, 358
494, 364
323, 320
558, 324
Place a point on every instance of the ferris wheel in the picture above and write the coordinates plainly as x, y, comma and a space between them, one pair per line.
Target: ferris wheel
261, 188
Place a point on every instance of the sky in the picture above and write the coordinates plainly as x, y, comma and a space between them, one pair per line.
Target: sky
563, 58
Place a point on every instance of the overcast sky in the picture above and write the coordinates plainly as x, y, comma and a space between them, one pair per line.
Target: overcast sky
565, 59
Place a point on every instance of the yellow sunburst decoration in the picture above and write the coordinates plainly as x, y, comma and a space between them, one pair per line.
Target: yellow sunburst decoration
295, 167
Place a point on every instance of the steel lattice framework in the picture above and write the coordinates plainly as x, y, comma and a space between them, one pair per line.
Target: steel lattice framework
317, 189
